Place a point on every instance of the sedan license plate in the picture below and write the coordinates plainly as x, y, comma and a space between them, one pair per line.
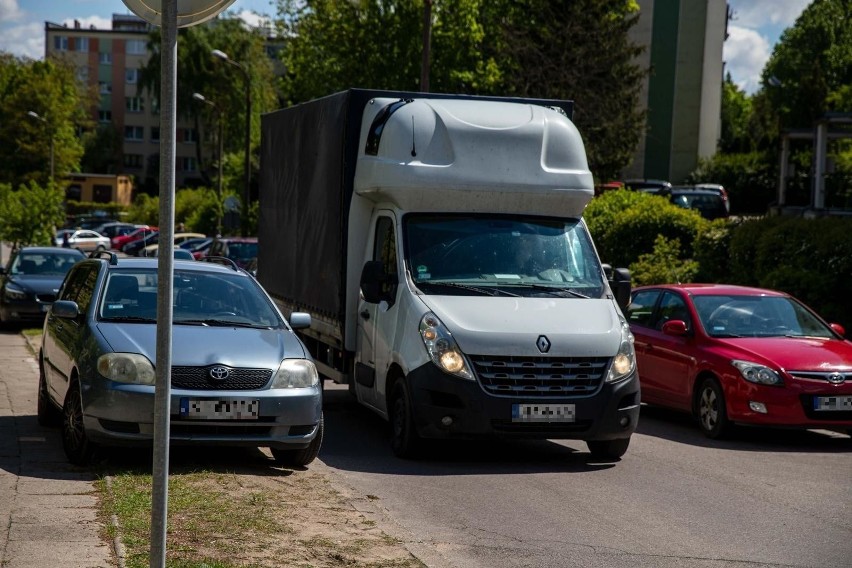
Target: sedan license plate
833, 403
219, 409
543, 413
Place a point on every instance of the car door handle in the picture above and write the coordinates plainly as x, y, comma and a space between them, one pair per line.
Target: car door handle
365, 314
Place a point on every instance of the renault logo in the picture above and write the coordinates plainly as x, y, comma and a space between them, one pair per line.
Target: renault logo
836, 378
219, 374
543, 344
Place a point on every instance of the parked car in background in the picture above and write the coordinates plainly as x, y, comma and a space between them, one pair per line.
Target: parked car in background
178, 253
30, 281
239, 249
240, 376
178, 239
133, 247
200, 251
731, 354
119, 242
655, 186
83, 240
115, 229
716, 188
708, 203
191, 244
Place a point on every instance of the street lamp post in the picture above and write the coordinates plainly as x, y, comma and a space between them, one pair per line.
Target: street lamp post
201, 98
44, 120
246, 195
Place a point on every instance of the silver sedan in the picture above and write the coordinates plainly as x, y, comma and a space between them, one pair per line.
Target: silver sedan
84, 240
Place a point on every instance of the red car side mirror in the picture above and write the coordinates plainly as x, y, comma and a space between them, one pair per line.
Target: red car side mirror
675, 327
838, 328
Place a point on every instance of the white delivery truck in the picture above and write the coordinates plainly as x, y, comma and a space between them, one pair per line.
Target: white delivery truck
438, 243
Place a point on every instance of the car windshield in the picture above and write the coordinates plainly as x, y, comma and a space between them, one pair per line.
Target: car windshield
758, 316
200, 298
46, 263
242, 251
501, 255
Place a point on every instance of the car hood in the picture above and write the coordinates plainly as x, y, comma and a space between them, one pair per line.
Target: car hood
201, 346
794, 353
574, 327
37, 283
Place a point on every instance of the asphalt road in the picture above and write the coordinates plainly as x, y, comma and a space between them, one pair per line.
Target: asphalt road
677, 499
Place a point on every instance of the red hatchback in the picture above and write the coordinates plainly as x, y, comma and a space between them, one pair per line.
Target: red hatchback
731, 354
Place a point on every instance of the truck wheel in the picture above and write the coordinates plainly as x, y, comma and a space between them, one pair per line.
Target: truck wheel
47, 414
405, 441
608, 449
304, 456
78, 448
712, 416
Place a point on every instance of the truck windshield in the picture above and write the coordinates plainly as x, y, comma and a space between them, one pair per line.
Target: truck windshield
501, 255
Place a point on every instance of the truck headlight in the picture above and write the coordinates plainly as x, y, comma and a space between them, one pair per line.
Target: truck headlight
127, 368
14, 292
295, 374
442, 347
757, 373
624, 362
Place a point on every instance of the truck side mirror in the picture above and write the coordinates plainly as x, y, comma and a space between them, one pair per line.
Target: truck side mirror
620, 284
374, 282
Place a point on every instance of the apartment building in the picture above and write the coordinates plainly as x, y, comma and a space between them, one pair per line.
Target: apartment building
110, 61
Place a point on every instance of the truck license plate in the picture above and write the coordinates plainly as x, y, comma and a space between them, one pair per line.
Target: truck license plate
219, 409
543, 413
833, 403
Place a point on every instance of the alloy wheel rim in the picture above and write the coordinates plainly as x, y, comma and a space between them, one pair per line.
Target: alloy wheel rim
709, 410
73, 431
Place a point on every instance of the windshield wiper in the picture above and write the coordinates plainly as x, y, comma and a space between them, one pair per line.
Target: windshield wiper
551, 289
137, 319
221, 323
471, 287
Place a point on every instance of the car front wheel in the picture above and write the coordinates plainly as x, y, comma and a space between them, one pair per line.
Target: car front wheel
712, 415
304, 456
78, 448
405, 441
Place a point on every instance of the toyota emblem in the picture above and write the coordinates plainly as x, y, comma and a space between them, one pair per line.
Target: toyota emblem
543, 344
836, 378
219, 374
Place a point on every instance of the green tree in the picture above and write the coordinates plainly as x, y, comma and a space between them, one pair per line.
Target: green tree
736, 113
50, 90
103, 148
30, 214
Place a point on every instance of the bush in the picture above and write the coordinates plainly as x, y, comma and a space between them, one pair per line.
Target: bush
750, 179
664, 265
712, 251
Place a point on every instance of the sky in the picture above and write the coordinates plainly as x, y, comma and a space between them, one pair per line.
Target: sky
755, 29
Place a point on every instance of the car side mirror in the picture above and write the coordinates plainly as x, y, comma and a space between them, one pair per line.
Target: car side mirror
675, 327
300, 320
373, 279
838, 328
65, 309
620, 284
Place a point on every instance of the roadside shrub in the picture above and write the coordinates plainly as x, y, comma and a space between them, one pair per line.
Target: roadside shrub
711, 250
664, 265
750, 179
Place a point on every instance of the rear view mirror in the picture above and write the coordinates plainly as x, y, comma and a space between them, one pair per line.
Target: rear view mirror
300, 320
675, 327
620, 284
65, 309
372, 276
838, 328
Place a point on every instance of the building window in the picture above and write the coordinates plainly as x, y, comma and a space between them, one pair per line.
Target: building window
105, 88
74, 192
190, 135
155, 134
131, 76
101, 193
105, 58
83, 74
60, 43
133, 160
136, 47
155, 105
188, 164
134, 133
82, 44
134, 104
104, 116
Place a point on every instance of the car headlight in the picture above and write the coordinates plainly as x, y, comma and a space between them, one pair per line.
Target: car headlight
127, 368
14, 292
295, 374
624, 362
442, 347
757, 373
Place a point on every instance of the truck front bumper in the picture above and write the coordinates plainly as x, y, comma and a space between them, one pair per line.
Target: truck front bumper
445, 406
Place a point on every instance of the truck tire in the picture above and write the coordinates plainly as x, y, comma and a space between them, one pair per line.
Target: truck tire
608, 449
405, 441
303, 457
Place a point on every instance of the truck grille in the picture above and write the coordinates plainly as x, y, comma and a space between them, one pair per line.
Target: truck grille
539, 376
198, 378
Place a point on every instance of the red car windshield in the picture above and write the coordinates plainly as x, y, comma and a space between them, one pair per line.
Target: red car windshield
757, 316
